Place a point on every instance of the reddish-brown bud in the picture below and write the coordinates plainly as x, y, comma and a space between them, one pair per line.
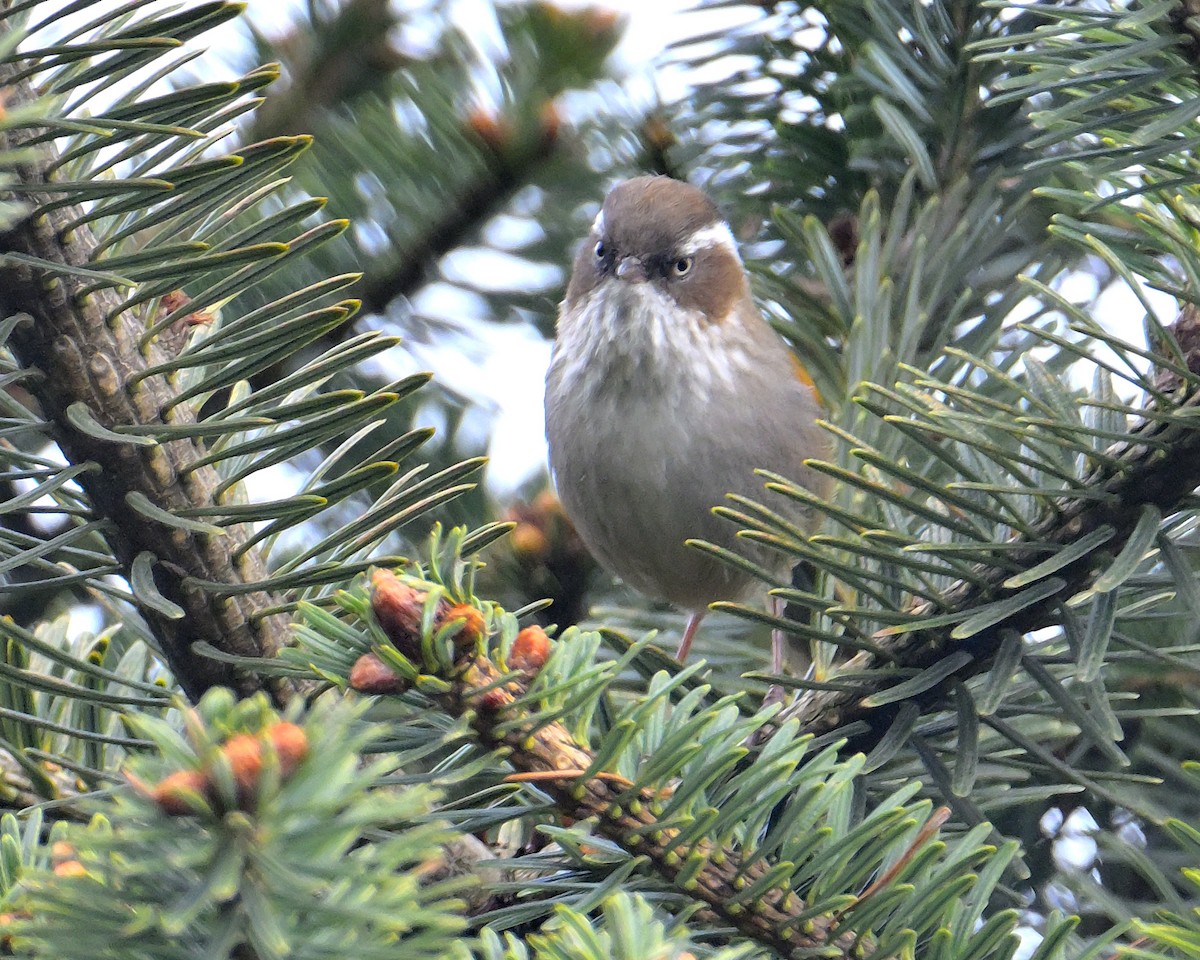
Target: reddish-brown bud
473, 628
530, 650
371, 675
175, 336
171, 301
528, 540
495, 131
70, 868
658, 134
549, 120
291, 746
492, 700
243, 751
398, 608
174, 793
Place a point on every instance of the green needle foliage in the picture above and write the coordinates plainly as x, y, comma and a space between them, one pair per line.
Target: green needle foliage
772, 847
275, 868
153, 231
207, 447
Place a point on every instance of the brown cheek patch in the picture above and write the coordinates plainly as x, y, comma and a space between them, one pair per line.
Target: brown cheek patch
716, 284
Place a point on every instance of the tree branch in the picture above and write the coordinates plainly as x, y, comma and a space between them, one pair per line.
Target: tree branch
472, 686
1158, 466
89, 353
511, 161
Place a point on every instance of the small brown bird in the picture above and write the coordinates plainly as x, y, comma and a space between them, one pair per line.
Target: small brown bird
666, 390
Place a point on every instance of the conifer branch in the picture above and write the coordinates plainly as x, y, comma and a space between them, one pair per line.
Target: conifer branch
629, 819
476, 688
88, 353
1156, 468
511, 160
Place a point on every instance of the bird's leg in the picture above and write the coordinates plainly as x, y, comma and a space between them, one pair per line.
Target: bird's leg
775, 692
804, 580
689, 634
776, 606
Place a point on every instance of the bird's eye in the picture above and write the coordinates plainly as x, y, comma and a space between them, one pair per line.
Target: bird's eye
681, 267
601, 249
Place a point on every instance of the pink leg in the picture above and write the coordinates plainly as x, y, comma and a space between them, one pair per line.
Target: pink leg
778, 637
689, 634
775, 693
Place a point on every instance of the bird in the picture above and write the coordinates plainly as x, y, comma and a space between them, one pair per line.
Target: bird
666, 389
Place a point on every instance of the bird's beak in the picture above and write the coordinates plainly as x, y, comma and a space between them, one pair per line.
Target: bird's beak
632, 270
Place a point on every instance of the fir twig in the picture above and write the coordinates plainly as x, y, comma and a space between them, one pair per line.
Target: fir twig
1157, 468
480, 692
509, 165
445, 640
93, 363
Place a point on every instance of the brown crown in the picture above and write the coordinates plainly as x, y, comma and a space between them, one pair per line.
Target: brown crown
655, 214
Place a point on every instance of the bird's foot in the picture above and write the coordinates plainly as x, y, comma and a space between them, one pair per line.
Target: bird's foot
775, 694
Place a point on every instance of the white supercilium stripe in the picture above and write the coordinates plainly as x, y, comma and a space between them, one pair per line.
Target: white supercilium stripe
714, 235
598, 224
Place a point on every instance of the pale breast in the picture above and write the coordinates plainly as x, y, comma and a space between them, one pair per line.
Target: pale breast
645, 440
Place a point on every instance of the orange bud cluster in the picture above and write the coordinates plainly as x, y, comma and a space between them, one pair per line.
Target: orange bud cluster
399, 608
547, 558
530, 650
65, 861
9, 918
177, 793
538, 524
